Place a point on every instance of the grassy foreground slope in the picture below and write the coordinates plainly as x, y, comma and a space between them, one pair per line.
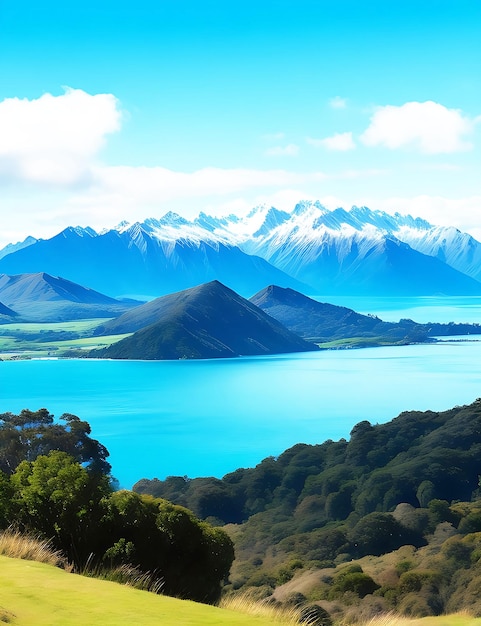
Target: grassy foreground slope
36, 594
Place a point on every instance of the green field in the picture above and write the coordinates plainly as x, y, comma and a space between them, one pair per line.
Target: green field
35, 594
41, 340
357, 342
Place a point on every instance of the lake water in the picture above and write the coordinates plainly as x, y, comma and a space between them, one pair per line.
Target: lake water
201, 418
206, 418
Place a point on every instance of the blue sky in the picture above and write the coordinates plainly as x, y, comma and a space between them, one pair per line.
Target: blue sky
122, 110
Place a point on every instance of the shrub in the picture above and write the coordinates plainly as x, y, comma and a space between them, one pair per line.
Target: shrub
314, 615
359, 583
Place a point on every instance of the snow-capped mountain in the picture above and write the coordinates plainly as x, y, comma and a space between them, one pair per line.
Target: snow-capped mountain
150, 259
448, 244
311, 249
13, 247
357, 251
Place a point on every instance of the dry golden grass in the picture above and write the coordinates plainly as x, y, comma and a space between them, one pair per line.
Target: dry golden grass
31, 548
462, 618
389, 619
245, 603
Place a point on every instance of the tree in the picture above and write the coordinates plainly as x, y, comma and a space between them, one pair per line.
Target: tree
56, 496
378, 533
191, 557
33, 433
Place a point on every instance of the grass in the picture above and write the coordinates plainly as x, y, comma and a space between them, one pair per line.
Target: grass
358, 342
31, 548
457, 619
79, 326
41, 340
36, 594
243, 603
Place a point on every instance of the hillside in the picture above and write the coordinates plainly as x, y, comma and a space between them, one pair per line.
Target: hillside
315, 507
207, 321
321, 322
35, 594
41, 297
6, 313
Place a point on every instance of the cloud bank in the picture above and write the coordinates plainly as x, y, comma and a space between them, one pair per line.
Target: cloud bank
428, 127
52, 140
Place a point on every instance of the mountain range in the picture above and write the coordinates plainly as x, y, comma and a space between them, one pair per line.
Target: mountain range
310, 249
207, 321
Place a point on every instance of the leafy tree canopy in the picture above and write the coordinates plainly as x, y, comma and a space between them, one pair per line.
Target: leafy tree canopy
29, 434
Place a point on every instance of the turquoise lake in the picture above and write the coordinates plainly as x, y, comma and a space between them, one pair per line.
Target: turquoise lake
207, 418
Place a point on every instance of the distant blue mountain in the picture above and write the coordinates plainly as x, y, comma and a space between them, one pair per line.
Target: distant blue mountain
136, 262
311, 250
41, 297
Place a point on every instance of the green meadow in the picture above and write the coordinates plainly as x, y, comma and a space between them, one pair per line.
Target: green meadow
41, 340
36, 594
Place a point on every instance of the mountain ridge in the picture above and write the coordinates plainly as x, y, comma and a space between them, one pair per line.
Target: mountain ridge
310, 249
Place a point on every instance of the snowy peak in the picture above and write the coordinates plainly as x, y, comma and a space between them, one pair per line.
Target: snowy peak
13, 247
329, 251
308, 206
78, 231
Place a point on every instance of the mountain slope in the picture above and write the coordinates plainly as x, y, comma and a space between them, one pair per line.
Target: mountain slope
149, 259
43, 297
208, 321
310, 249
6, 313
320, 321
448, 244
13, 247
355, 252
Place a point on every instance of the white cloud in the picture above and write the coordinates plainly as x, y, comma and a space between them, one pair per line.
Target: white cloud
53, 139
338, 103
341, 142
426, 126
149, 184
289, 150
461, 212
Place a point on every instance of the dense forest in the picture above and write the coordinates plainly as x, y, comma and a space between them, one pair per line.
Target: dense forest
317, 507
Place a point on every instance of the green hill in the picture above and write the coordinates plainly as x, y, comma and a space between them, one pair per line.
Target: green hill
207, 321
35, 594
412, 482
323, 322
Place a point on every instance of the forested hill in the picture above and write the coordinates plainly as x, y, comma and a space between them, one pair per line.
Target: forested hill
415, 458
323, 322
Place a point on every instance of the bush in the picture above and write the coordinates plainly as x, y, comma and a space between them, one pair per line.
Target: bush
314, 615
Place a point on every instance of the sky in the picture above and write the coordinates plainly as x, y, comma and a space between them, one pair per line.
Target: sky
113, 111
